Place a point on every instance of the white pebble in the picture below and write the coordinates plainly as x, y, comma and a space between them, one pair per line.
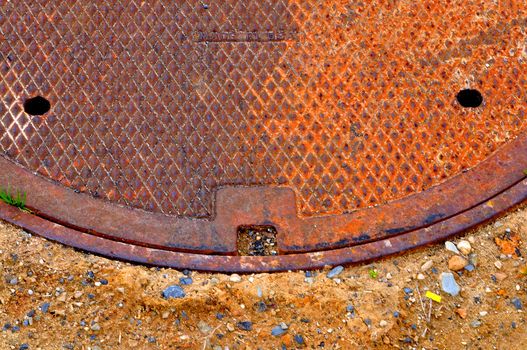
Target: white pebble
388, 276
464, 247
235, 278
420, 276
427, 265
383, 323
451, 247
498, 264
483, 313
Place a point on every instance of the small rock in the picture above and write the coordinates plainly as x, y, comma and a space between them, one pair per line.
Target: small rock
457, 263
230, 327
427, 265
44, 307
173, 291
383, 323
165, 315
95, 327
235, 278
483, 313
500, 276
475, 324
278, 331
185, 281
498, 264
388, 276
24, 346
462, 312
449, 284
335, 272
299, 339
204, 327
451, 247
245, 325
408, 290
13, 281
464, 247
470, 267
517, 303
420, 276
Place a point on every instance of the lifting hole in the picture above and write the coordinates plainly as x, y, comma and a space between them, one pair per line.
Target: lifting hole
469, 98
37, 105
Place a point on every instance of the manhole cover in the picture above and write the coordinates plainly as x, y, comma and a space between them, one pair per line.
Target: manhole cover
261, 135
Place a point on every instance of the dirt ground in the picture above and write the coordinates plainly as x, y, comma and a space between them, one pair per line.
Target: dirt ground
95, 303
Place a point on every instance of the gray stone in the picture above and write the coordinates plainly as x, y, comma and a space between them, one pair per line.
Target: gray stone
204, 327
335, 272
452, 247
517, 303
173, 291
278, 331
449, 284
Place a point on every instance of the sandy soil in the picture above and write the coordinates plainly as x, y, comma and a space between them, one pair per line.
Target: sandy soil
360, 309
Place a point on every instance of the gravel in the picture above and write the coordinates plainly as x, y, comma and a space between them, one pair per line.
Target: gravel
451, 247
517, 303
278, 331
44, 307
449, 284
245, 325
299, 339
173, 291
335, 272
235, 278
185, 281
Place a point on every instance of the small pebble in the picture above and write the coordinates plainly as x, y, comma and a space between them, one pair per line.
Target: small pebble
457, 263
334, 272
470, 267
278, 331
245, 325
299, 339
464, 247
185, 281
427, 265
44, 307
420, 276
24, 346
383, 323
408, 290
498, 264
235, 278
95, 327
173, 291
451, 247
449, 284
517, 303
475, 324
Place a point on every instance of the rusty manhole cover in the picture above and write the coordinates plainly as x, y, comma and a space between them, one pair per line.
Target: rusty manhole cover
261, 135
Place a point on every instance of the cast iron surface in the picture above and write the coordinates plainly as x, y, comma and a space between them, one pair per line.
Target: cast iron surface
173, 123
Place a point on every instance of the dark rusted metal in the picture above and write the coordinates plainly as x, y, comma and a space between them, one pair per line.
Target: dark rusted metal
172, 124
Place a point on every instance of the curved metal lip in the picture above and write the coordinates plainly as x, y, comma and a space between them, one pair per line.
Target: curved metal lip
217, 263
473, 197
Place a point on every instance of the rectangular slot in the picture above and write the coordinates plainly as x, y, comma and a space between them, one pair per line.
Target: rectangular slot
257, 240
